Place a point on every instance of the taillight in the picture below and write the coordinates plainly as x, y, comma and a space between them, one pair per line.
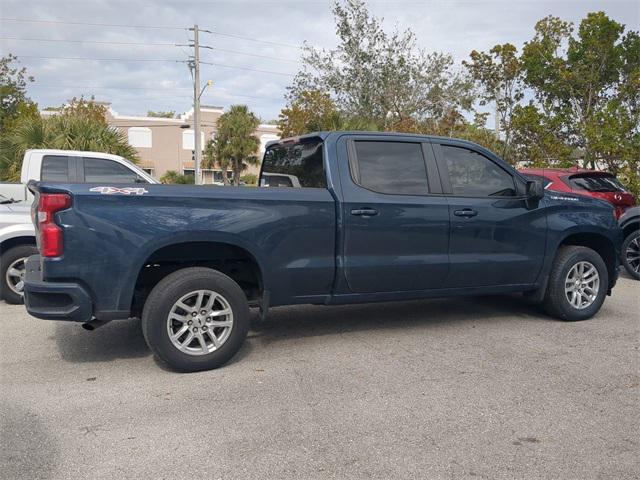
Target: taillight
51, 242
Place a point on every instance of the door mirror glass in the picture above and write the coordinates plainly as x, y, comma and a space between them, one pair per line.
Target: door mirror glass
535, 189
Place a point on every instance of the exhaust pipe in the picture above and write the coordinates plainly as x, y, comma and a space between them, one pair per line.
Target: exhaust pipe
93, 324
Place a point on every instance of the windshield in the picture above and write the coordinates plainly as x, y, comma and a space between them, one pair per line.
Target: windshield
296, 164
596, 183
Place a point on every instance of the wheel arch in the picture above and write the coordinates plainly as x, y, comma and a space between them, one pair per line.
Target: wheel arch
234, 260
598, 242
16, 241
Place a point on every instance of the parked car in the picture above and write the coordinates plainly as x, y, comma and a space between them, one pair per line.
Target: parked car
595, 184
72, 166
377, 217
630, 224
17, 234
17, 242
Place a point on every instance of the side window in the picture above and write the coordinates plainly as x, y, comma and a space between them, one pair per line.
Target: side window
390, 167
474, 175
296, 165
55, 168
99, 170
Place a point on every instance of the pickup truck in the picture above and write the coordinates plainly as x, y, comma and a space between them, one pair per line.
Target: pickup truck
72, 166
17, 234
376, 217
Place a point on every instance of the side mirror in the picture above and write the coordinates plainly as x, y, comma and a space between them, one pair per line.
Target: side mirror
535, 189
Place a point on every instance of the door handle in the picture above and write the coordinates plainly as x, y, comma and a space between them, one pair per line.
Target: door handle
465, 212
364, 212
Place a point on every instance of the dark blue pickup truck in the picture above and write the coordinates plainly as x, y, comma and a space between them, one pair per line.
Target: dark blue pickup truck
347, 217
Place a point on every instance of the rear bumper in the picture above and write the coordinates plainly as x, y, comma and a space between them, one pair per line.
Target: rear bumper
54, 300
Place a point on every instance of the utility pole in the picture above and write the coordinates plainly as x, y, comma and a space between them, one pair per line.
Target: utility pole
196, 103
194, 67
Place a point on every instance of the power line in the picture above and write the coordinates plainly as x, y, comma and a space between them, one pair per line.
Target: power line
145, 44
157, 60
251, 39
57, 22
102, 59
212, 32
248, 69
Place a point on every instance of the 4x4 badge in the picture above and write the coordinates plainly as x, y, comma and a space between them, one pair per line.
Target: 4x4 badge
119, 191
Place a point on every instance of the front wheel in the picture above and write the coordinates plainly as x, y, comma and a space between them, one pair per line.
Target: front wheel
195, 319
578, 283
631, 254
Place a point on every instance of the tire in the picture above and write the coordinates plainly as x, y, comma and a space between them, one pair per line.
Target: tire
631, 254
184, 286
556, 301
14, 259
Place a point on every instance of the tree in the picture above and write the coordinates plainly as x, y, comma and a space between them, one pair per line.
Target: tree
378, 78
14, 102
308, 111
213, 156
75, 128
499, 75
173, 177
235, 145
160, 114
574, 77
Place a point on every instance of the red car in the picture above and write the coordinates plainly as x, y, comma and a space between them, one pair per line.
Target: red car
596, 184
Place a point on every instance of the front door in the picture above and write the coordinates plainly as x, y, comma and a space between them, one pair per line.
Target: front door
496, 238
396, 222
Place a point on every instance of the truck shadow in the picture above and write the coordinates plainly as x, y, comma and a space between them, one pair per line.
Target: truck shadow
309, 321
115, 340
123, 338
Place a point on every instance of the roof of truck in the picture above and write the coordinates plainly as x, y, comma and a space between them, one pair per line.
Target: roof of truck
325, 134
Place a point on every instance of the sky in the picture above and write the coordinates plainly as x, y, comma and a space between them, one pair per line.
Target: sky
255, 44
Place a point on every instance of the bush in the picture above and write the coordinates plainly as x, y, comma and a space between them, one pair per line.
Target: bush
173, 177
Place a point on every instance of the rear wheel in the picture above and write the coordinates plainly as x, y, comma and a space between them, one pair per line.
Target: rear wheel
12, 272
577, 285
631, 254
195, 319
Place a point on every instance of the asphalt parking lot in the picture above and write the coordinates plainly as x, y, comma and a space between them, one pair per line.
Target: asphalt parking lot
463, 388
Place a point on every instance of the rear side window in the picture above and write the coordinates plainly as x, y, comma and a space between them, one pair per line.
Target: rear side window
596, 183
99, 170
390, 167
474, 175
55, 168
298, 165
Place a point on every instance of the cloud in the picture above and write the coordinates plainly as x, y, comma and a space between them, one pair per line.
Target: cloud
153, 77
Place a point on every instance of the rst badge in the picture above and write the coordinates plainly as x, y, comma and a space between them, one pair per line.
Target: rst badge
119, 191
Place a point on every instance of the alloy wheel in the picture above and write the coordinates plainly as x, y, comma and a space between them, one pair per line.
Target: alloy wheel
633, 254
582, 285
15, 275
200, 322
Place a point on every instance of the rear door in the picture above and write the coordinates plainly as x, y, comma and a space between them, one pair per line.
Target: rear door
396, 221
496, 237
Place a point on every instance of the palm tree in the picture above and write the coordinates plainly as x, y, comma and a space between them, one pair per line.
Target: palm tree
235, 145
66, 132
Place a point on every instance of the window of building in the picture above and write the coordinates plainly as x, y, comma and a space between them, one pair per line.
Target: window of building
390, 167
297, 164
188, 140
474, 175
55, 168
99, 170
140, 137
